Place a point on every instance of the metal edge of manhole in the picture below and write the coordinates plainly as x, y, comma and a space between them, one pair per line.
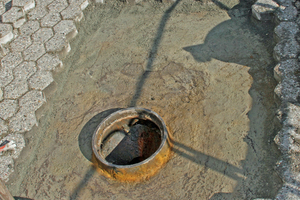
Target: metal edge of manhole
137, 171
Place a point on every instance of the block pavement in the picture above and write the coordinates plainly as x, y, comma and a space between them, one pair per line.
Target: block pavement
33, 36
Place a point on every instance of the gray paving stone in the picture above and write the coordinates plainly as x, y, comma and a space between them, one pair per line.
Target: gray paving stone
57, 43
289, 67
2, 8
34, 52
4, 50
40, 80
32, 100
48, 62
67, 28
286, 49
72, 12
19, 22
23, 121
6, 33
20, 43
290, 89
50, 19
3, 127
57, 5
5, 162
84, 5
43, 2
29, 27
263, 9
8, 108
42, 35
15, 89
286, 30
12, 15
24, 70
11, 60
286, 13
38, 13
76, 2
25, 4
6, 76
293, 116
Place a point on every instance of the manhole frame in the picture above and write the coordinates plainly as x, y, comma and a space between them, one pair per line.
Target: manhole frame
141, 170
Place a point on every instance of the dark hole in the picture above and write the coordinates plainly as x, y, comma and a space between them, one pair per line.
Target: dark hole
133, 144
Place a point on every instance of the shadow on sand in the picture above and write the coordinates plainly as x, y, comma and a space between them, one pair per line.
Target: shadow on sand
226, 42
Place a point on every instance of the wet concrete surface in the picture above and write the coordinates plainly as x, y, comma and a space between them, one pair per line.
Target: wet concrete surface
205, 68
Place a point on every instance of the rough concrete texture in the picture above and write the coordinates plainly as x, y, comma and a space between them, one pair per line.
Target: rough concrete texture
287, 74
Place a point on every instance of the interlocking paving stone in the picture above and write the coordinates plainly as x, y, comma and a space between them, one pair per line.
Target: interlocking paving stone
6, 76
57, 5
48, 62
6, 170
19, 23
6, 33
287, 13
34, 52
29, 27
42, 35
3, 127
72, 12
50, 19
8, 108
56, 44
37, 13
25, 4
2, 8
84, 5
67, 28
286, 30
81, 3
20, 43
286, 49
24, 70
15, 89
12, 15
43, 2
40, 80
23, 121
32, 100
11, 60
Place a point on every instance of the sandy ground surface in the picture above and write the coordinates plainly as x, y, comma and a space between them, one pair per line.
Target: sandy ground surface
207, 72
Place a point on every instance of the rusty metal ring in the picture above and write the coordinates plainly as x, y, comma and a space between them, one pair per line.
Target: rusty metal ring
137, 171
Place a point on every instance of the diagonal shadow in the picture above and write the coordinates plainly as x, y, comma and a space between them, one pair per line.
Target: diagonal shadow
152, 54
208, 161
228, 43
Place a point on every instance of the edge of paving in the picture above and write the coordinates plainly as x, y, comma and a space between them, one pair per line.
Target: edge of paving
34, 35
287, 73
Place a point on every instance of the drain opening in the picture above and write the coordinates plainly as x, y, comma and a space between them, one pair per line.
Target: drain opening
131, 144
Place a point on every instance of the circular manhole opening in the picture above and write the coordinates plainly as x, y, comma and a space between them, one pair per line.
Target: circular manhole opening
131, 144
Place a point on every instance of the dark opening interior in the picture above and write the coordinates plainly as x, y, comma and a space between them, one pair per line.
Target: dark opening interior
132, 144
